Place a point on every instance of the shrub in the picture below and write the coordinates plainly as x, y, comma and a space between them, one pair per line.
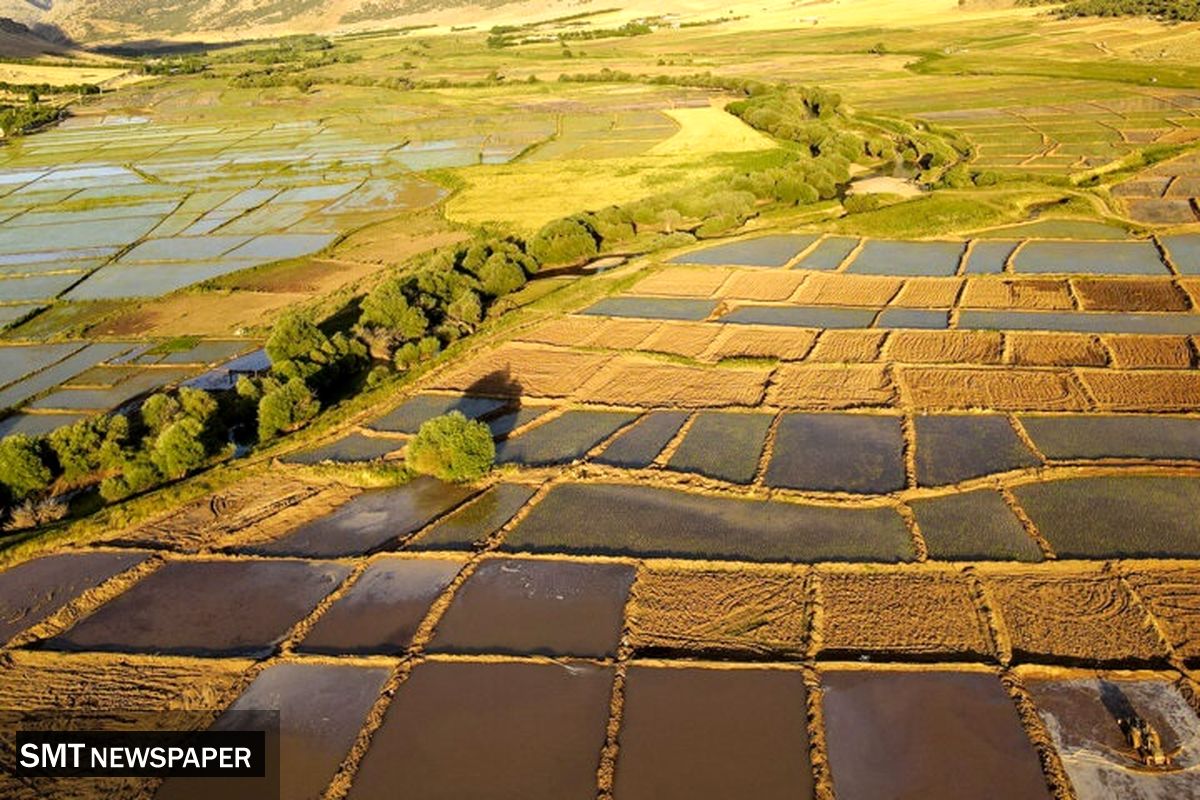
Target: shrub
35, 513
452, 448
388, 307
293, 337
179, 449
159, 411
564, 241
138, 474
499, 275
22, 470
89, 445
286, 408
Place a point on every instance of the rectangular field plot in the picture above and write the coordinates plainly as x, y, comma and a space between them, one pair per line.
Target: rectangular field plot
1123, 436
186, 608
141, 382
908, 258
537, 607
37, 287
562, 440
475, 521
1095, 258
408, 417
829, 253
973, 526
652, 308
838, 453
1184, 252
69, 367
36, 424
369, 521
18, 361
640, 445
119, 281
354, 447
802, 316
765, 251
384, 607
1079, 321
723, 445
183, 248
906, 734
690, 733
958, 447
533, 731
639, 520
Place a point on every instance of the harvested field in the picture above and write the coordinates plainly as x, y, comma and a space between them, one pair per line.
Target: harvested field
1129, 516
647, 521
623, 334
640, 445
1172, 595
944, 347
685, 281
761, 286
838, 453
815, 386
1150, 352
537, 607
973, 526
928, 293
532, 731
563, 439
750, 341
630, 382
1085, 616
1009, 390
721, 445
476, 520
568, 331
916, 729
1024, 293
900, 615
840, 289
912, 318
383, 608
513, 370
738, 612
1129, 294
1029, 349
1143, 391
956, 447
843, 347
683, 727
688, 339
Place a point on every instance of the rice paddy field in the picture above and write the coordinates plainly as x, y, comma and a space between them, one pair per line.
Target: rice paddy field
844, 505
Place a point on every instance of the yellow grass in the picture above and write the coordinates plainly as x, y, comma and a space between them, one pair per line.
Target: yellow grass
57, 76
710, 130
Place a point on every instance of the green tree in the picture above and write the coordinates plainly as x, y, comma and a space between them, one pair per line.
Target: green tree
159, 411
388, 307
22, 470
452, 448
294, 336
564, 241
286, 408
179, 449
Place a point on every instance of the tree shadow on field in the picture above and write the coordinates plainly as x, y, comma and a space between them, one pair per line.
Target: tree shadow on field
499, 383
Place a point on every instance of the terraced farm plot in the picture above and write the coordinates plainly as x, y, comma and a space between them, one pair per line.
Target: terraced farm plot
350, 448
973, 526
765, 251
639, 445
408, 417
908, 258
838, 453
563, 439
957, 447
721, 445
1123, 436
476, 521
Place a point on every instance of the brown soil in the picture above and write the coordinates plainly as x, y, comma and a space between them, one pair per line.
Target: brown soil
763, 286
1019, 293
1080, 616
848, 346
1173, 595
280, 521
1055, 350
203, 314
816, 386
571, 331
688, 339
944, 347
512, 370
1000, 390
634, 382
1192, 287
683, 281
762, 341
1147, 352
728, 611
1129, 294
900, 614
849, 290
928, 293
1144, 391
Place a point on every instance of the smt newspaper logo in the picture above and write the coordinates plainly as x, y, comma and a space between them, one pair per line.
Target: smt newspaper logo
142, 754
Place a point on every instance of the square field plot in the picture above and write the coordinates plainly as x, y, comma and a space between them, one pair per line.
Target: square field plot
973, 526
765, 251
934, 735
206, 608
958, 447
383, 608
838, 453
1172, 594
908, 258
370, 521
502, 731
34, 590
562, 440
1092, 258
723, 445
408, 417
1184, 252
476, 521
537, 607
639, 445
1084, 617
1119, 516
653, 308
1084, 717
647, 521
693, 733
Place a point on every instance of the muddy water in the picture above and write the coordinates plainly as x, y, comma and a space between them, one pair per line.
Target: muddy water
722, 445
369, 521
562, 440
206, 608
408, 417
908, 258
971, 526
1125, 436
32, 591
535, 607
1082, 717
1127, 516
765, 251
931, 735
838, 453
713, 734
958, 447
641, 444
383, 608
501, 731
476, 521
829, 253
642, 520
